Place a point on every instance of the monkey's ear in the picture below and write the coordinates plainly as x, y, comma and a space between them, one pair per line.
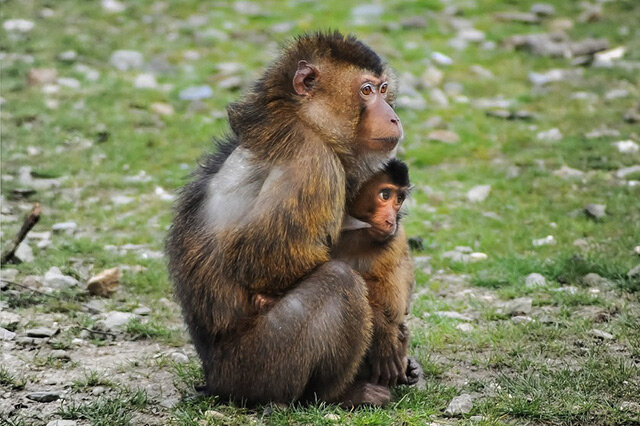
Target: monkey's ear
304, 78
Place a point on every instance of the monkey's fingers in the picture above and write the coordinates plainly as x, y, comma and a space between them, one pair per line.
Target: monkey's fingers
399, 365
393, 373
385, 374
375, 372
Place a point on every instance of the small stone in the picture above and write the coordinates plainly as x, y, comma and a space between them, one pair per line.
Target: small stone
179, 357
632, 115
24, 253
6, 334
161, 108
62, 423
520, 306
634, 407
98, 390
112, 6
126, 60
115, 319
64, 227
481, 71
142, 311
550, 135
44, 396
41, 76
634, 272
59, 354
540, 79
616, 94
549, 240
601, 334
438, 98
194, 93
414, 22
231, 83
567, 172
535, 280
625, 171
441, 58
55, 279
42, 332
477, 256
471, 35
465, 327
445, 136
68, 56
145, 81
18, 25
477, 419
521, 319
626, 147
105, 283
543, 9
594, 280
332, 417
595, 211
217, 415
9, 319
29, 341
478, 193
415, 102
459, 405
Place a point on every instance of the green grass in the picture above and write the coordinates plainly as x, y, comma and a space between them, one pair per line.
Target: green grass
551, 370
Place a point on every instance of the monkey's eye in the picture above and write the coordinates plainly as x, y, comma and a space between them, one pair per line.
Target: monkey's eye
384, 87
385, 194
401, 198
366, 90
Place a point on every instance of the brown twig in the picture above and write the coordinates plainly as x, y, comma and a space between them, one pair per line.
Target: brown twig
29, 222
26, 287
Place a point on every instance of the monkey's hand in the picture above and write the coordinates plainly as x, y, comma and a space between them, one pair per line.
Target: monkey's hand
413, 372
388, 365
262, 302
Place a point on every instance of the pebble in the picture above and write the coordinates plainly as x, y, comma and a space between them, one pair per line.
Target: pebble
465, 327
416, 102
231, 83
194, 93
62, 423
105, 283
9, 319
9, 274
44, 396
41, 76
179, 357
42, 332
441, 58
29, 341
68, 56
64, 227
145, 81
601, 334
113, 320
535, 280
549, 240
459, 405
543, 9
332, 417
594, 280
478, 193
112, 6
247, 8
60, 355
18, 25
550, 135
431, 77
55, 279
634, 272
625, 171
438, 98
161, 108
519, 306
445, 136
142, 311
68, 82
634, 407
6, 334
471, 35
626, 147
595, 211
616, 94
24, 253
125, 60
540, 79
481, 71
567, 172
521, 319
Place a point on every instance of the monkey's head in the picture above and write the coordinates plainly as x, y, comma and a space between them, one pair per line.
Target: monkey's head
379, 200
333, 86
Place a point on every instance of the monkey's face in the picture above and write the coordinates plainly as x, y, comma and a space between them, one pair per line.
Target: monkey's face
378, 203
379, 128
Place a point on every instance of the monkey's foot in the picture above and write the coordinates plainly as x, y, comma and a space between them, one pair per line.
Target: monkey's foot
363, 393
414, 372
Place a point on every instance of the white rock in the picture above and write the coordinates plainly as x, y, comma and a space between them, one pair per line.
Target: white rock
626, 147
9, 274
459, 405
64, 227
465, 327
125, 60
441, 58
521, 319
478, 256
55, 279
24, 253
161, 108
549, 240
567, 172
480, 71
145, 81
179, 357
550, 135
68, 56
194, 93
62, 423
601, 334
18, 25
112, 6
625, 171
431, 77
606, 58
416, 102
478, 193
71, 83
519, 306
472, 35
115, 319
6, 334
120, 200
535, 280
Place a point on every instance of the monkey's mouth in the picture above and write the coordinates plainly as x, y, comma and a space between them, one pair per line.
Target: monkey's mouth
392, 140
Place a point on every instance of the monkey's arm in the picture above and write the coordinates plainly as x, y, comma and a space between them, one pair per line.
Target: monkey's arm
286, 233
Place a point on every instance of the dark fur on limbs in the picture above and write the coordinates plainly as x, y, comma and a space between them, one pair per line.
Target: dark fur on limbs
259, 217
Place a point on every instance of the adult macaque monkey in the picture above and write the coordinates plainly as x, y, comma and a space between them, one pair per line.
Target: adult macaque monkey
373, 242
261, 216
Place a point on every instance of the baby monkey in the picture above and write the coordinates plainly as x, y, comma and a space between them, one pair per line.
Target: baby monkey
374, 243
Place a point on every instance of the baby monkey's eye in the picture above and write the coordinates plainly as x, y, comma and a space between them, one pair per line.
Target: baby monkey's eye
385, 194
401, 198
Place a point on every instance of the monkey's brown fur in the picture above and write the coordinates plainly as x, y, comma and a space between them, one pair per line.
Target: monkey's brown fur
261, 215
387, 269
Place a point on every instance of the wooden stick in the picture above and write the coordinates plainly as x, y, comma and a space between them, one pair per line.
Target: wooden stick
29, 222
